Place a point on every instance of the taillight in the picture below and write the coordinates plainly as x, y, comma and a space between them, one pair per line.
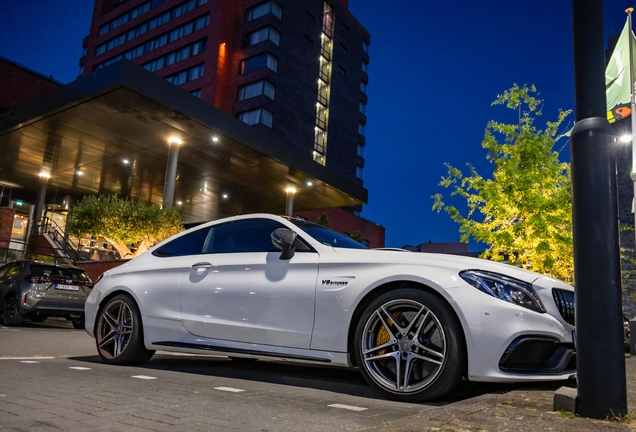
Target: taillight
37, 279
24, 300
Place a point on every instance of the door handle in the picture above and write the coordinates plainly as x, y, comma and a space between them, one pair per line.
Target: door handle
201, 265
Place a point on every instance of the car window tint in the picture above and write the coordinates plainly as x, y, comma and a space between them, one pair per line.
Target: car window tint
188, 244
243, 236
327, 236
13, 269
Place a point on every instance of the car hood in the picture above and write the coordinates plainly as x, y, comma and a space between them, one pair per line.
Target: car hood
455, 263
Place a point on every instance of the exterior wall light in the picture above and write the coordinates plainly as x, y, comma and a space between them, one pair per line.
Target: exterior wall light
174, 140
44, 175
625, 138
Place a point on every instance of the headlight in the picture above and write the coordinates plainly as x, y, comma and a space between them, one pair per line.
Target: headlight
511, 290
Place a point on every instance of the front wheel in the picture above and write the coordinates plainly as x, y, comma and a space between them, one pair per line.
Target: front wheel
409, 346
119, 336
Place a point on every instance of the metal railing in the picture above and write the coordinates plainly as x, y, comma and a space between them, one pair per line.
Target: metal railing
58, 235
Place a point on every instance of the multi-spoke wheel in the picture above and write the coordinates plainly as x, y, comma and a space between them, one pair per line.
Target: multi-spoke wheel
409, 346
119, 334
10, 314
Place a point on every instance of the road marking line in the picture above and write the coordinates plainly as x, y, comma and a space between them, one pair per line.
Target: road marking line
79, 368
229, 389
348, 407
146, 377
29, 361
27, 358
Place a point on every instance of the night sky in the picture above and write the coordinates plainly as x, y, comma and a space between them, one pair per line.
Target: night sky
435, 69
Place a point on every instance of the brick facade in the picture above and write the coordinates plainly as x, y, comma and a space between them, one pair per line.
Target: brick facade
294, 107
347, 223
19, 85
6, 225
94, 269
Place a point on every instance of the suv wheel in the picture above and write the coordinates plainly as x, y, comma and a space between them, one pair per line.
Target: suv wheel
11, 315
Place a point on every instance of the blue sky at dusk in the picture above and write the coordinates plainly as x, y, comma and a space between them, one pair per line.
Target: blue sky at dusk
435, 69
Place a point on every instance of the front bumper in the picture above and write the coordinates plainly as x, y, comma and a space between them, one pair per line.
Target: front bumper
494, 329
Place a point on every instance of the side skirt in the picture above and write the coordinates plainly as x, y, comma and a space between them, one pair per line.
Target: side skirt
239, 351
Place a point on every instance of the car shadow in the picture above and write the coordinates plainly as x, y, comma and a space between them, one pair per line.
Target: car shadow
347, 381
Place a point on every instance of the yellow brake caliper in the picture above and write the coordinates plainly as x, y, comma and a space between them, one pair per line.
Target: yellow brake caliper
383, 337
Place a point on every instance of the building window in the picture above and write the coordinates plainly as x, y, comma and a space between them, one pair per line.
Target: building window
359, 172
175, 56
343, 48
257, 116
261, 35
151, 24
310, 18
360, 151
365, 47
363, 108
260, 61
342, 71
263, 9
365, 67
186, 75
361, 129
196, 93
345, 27
308, 41
363, 87
256, 89
123, 19
157, 42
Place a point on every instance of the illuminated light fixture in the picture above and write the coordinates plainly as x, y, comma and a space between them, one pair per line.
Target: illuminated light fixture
174, 140
44, 175
78, 172
215, 139
125, 161
309, 184
290, 190
179, 202
625, 138
225, 196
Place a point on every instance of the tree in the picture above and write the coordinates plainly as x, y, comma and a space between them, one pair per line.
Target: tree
122, 222
524, 212
357, 236
323, 220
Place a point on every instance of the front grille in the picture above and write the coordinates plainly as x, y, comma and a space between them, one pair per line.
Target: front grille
565, 303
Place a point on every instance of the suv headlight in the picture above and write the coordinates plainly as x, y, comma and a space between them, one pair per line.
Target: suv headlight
502, 287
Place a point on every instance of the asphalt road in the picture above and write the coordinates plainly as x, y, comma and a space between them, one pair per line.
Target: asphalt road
52, 379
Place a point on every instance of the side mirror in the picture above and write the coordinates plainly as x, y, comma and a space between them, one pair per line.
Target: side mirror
283, 239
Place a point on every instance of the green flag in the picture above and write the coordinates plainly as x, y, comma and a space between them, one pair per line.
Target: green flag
617, 77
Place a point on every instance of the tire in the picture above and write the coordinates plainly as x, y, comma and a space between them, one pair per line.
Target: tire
78, 323
414, 331
119, 333
37, 318
10, 314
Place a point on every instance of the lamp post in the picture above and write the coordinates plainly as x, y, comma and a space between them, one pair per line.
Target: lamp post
289, 203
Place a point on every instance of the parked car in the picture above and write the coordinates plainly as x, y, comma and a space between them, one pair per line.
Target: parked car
263, 286
37, 290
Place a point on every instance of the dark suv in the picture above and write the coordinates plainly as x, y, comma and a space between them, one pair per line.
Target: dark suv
37, 290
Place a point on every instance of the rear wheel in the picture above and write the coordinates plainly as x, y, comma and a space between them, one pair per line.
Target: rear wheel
10, 313
409, 346
78, 323
119, 335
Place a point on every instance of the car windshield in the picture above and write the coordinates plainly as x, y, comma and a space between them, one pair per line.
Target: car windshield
327, 236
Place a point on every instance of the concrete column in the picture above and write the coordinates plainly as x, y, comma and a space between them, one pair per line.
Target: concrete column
171, 172
39, 203
289, 204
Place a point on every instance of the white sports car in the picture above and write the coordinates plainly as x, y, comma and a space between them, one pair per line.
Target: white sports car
268, 286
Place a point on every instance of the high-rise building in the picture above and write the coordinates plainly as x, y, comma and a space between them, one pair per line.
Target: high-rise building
296, 70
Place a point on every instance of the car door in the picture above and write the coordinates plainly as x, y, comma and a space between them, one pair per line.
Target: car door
240, 289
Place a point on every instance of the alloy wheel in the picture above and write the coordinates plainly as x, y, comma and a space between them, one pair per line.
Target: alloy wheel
114, 329
403, 346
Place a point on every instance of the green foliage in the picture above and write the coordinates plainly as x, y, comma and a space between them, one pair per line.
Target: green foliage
357, 236
524, 212
323, 220
122, 222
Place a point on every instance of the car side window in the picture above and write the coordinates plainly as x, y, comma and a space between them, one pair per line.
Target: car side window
188, 244
13, 270
243, 236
